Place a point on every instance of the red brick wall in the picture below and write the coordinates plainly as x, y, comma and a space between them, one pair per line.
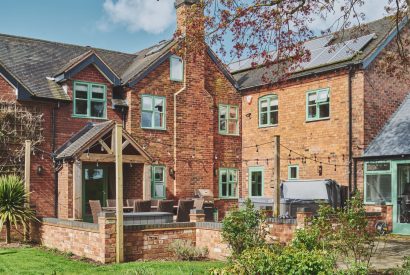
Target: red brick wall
212, 239
96, 244
133, 177
7, 91
325, 138
384, 92
65, 192
196, 125
154, 244
42, 186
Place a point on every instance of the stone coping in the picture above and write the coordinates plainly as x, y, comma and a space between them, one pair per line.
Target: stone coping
174, 225
209, 225
281, 220
95, 227
72, 224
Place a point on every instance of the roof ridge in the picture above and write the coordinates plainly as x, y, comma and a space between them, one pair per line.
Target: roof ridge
392, 116
64, 44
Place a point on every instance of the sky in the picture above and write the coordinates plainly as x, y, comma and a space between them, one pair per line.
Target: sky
120, 25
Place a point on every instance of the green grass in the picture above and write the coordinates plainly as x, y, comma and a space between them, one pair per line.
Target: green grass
40, 261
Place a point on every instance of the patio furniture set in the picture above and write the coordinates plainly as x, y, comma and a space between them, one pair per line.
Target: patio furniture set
138, 206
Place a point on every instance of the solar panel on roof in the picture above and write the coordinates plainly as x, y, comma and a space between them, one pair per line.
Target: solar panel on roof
321, 53
156, 48
336, 53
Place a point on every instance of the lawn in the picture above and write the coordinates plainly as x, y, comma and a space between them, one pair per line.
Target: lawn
33, 260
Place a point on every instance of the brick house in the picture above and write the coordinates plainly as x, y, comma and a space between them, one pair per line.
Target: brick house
326, 113
181, 120
191, 123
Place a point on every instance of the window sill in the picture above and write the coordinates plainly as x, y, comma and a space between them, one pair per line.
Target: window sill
317, 119
268, 126
378, 204
154, 129
87, 117
177, 80
229, 135
227, 198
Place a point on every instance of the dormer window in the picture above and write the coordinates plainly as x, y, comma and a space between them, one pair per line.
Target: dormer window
177, 68
90, 100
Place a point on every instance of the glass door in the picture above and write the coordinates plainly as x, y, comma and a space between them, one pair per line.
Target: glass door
401, 207
255, 181
95, 187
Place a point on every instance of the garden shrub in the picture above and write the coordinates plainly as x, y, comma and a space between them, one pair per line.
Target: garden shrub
244, 228
268, 260
186, 251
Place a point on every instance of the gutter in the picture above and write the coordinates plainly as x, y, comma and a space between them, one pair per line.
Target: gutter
175, 123
351, 73
53, 149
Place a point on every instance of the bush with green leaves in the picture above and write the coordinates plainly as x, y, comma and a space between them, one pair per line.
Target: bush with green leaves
244, 228
186, 251
288, 260
343, 233
14, 209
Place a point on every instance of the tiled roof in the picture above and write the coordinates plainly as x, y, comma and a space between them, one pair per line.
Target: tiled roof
394, 138
80, 139
258, 76
34, 62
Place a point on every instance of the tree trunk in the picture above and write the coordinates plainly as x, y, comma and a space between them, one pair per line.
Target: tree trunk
8, 238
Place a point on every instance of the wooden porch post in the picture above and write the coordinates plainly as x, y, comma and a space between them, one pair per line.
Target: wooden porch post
276, 165
27, 167
119, 192
77, 190
146, 182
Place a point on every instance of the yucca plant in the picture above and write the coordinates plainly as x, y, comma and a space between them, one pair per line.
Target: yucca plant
14, 209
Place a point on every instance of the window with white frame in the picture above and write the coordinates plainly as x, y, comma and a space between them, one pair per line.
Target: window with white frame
268, 110
318, 105
228, 120
228, 182
176, 68
153, 112
378, 182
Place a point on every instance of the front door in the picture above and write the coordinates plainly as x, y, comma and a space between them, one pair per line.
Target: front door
95, 187
401, 206
256, 181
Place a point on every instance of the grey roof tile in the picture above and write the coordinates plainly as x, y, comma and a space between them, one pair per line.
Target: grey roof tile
81, 138
259, 76
33, 60
394, 138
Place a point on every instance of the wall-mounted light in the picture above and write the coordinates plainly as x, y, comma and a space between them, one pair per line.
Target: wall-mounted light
172, 172
249, 115
40, 170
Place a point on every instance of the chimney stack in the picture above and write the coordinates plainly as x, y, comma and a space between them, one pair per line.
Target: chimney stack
182, 7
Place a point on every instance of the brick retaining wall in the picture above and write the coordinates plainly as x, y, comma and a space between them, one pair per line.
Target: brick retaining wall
152, 241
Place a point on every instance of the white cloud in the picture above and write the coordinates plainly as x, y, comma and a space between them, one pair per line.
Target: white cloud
152, 16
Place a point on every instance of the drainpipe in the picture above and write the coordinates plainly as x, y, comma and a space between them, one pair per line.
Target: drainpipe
175, 125
351, 73
53, 149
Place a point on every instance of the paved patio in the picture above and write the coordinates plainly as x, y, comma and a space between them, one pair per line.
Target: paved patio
391, 253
